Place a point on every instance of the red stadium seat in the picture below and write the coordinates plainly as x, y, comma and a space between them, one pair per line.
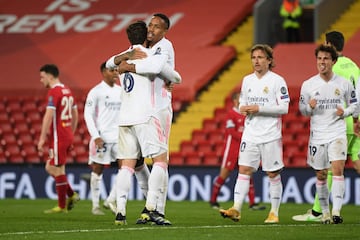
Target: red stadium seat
30, 149
32, 157
82, 158
78, 140
295, 126
219, 148
36, 127
13, 149
6, 127
9, 139
299, 160
176, 159
210, 124
14, 154
3, 158
14, 105
34, 117
2, 106
176, 105
216, 136
193, 159
288, 137
26, 138
198, 136
187, 146
204, 147
30, 106
21, 127
18, 116
292, 148
81, 149
211, 159
302, 137
4, 117
16, 158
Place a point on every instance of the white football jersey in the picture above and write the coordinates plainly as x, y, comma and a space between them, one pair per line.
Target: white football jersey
325, 125
163, 47
270, 93
137, 98
101, 111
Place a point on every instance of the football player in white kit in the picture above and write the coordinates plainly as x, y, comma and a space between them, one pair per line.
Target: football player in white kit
264, 98
142, 131
159, 44
323, 98
101, 114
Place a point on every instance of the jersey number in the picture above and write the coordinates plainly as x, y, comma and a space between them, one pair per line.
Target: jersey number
128, 82
312, 150
67, 103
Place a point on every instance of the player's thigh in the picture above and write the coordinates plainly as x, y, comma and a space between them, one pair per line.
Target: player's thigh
337, 149
152, 139
58, 152
165, 119
128, 145
249, 155
317, 156
272, 156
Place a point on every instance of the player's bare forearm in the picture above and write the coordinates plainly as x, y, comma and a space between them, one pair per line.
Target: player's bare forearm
136, 53
126, 67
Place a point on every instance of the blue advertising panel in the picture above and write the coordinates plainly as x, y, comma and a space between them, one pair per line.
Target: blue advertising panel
185, 183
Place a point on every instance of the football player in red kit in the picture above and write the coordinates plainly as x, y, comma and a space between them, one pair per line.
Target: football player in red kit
58, 125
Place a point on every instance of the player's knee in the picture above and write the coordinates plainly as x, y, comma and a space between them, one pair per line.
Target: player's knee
321, 174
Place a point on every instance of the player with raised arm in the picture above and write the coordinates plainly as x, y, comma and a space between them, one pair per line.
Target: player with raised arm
139, 124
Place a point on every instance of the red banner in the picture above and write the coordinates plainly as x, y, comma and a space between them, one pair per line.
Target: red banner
78, 35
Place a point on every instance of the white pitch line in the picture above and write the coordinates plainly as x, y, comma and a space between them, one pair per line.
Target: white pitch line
157, 228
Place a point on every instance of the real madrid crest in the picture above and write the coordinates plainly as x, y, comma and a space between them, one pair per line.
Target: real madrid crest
266, 90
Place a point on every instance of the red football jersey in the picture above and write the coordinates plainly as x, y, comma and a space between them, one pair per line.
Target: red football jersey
61, 99
233, 132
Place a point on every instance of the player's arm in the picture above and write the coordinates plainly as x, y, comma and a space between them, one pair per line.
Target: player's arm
170, 75
74, 118
351, 101
89, 115
115, 60
283, 99
46, 122
274, 110
306, 105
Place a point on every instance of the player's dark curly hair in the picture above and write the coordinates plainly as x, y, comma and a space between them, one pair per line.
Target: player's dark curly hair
50, 69
137, 32
327, 48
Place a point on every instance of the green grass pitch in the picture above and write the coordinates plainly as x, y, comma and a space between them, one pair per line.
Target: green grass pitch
24, 219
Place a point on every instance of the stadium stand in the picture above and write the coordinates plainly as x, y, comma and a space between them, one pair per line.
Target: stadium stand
200, 103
